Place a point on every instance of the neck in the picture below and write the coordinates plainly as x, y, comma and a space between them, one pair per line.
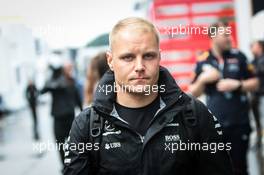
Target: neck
135, 100
216, 51
259, 54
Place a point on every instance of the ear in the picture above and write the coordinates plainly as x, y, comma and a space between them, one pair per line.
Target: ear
109, 57
159, 54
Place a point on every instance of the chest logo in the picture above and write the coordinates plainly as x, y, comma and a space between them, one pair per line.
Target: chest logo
112, 145
172, 138
108, 126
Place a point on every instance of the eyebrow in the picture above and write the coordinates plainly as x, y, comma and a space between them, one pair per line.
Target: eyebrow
150, 52
133, 55
126, 54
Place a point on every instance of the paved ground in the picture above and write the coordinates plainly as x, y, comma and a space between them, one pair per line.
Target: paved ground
19, 155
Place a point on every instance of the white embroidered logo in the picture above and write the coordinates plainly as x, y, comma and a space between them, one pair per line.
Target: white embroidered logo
112, 145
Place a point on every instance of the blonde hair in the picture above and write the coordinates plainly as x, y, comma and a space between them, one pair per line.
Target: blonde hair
133, 22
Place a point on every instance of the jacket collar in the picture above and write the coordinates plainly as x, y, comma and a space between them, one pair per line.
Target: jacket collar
104, 100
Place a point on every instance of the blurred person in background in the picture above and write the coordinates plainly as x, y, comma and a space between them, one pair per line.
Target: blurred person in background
32, 98
65, 97
1, 106
257, 98
95, 71
224, 75
257, 49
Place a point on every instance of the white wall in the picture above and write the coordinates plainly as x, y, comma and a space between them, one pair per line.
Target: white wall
243, 19
257, 26
17, 59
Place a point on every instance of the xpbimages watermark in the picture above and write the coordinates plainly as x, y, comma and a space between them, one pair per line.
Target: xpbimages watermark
51, 146
146, 89
174, 31
190, 146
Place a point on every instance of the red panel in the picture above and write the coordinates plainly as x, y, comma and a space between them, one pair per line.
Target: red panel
166, 14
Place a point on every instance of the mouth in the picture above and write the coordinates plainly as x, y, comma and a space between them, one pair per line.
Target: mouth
140, 78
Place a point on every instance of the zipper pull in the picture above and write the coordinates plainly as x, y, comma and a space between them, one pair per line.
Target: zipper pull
141, 138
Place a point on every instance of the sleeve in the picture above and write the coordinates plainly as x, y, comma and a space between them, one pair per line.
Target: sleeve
27, 93
78, 97
197, 71
45, 89
53, 85
214, 158
77, 160
247, 69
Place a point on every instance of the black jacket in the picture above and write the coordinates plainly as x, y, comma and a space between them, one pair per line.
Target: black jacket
65, 96
122, 151
32, 94
259, 68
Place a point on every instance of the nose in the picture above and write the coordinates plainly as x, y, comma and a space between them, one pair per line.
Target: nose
139, 67
227, 36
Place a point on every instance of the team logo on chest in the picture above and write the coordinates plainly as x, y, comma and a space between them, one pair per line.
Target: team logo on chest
112, 145
108, 127
172, 137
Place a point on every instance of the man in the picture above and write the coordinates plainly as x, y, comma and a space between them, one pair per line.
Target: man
32, 98
65, 97
257, 49
143, 120
257, 99
225, 77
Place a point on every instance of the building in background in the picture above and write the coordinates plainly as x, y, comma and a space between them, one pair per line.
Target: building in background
17, 60
257, 22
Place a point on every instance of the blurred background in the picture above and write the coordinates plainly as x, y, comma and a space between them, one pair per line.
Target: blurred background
38, 38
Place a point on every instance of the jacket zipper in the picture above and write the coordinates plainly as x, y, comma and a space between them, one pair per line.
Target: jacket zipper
140, 136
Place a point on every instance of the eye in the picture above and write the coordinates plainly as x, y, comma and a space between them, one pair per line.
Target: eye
127, 57
149, 56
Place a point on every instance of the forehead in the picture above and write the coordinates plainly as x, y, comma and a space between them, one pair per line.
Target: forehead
134, 38
256, 45
68, 66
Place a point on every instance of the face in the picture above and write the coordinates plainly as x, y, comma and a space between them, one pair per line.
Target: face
222, 41
68, 69
135, 59
256, 49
